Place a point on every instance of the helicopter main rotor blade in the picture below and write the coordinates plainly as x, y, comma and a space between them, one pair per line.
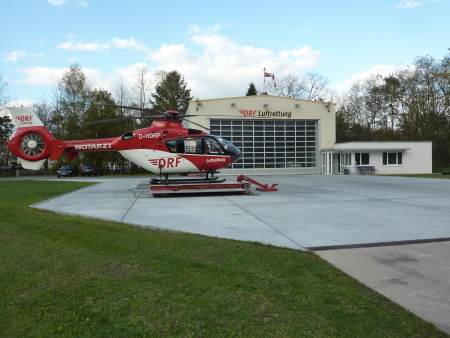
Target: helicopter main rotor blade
133, 108
199, 125
127, 119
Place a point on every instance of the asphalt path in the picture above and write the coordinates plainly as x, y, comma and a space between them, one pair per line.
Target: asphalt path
390, 233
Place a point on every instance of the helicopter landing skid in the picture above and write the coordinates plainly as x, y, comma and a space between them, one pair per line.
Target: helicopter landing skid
196, 185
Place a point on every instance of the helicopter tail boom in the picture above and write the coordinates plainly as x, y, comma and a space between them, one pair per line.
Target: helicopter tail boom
33, 143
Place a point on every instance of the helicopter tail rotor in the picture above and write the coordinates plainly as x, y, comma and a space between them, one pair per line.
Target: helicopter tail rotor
32, 142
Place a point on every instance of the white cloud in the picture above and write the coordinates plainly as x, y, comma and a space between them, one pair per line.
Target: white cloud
18, 103
214, 67
41, 75
168, 56
61, 3
129, 44
57, 2
97, 46
411, 4
84, 46
224, 67
383, 70
220, 66
408, 4
83, 3
47, 76
14, 56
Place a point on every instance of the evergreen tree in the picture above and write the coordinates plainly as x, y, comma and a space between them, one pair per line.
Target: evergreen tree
6, 128
251, 90
171, 93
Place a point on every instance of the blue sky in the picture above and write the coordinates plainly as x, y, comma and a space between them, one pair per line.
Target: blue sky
219, 46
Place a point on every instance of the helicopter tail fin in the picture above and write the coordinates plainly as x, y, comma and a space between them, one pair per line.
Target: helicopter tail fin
32, 143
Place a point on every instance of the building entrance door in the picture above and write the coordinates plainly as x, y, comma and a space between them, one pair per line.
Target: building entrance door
328, 166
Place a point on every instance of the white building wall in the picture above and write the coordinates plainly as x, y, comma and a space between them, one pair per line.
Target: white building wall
232, 108
416, 156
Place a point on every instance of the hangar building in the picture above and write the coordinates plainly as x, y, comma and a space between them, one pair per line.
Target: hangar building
280, 135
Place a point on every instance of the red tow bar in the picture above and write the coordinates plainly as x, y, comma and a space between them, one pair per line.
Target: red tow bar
263, 187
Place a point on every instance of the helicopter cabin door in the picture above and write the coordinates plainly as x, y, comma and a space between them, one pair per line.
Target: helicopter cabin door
194, 151
186, 146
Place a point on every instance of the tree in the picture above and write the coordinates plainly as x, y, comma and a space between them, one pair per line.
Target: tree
4, 88
289, 86
171, 93
347, 129
426, 109
97, 111
412, 104
312, 86
45, 112
6, 129
251, 90
316, 86
141, 88
71, 103
121, 94
122, 97
6, 126
392, 93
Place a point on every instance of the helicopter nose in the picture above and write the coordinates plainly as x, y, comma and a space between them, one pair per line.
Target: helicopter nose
236, 154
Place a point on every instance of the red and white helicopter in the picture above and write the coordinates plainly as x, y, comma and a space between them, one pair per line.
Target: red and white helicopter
164, 148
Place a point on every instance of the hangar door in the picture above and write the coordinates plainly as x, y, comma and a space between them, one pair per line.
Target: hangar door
271, 146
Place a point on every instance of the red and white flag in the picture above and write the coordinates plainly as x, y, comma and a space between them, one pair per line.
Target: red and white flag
272, 76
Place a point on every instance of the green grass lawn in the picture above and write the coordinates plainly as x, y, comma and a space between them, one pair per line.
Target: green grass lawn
64, 276
436, 175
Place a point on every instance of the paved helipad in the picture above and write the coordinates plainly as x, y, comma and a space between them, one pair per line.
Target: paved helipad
316, 212
308, 211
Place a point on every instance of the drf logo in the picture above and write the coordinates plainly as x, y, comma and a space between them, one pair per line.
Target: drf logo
23, 119
248, 112
166, 162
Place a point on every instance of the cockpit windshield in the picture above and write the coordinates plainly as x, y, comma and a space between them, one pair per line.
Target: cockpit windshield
229, 148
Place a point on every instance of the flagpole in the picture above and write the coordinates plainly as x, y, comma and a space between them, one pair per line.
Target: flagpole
264, 86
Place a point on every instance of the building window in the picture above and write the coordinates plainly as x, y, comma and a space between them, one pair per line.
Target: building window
362, 158
346, 159
392, 158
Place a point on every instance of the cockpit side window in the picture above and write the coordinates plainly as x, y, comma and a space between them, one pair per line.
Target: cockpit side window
193, 146
172, 145
212, 147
